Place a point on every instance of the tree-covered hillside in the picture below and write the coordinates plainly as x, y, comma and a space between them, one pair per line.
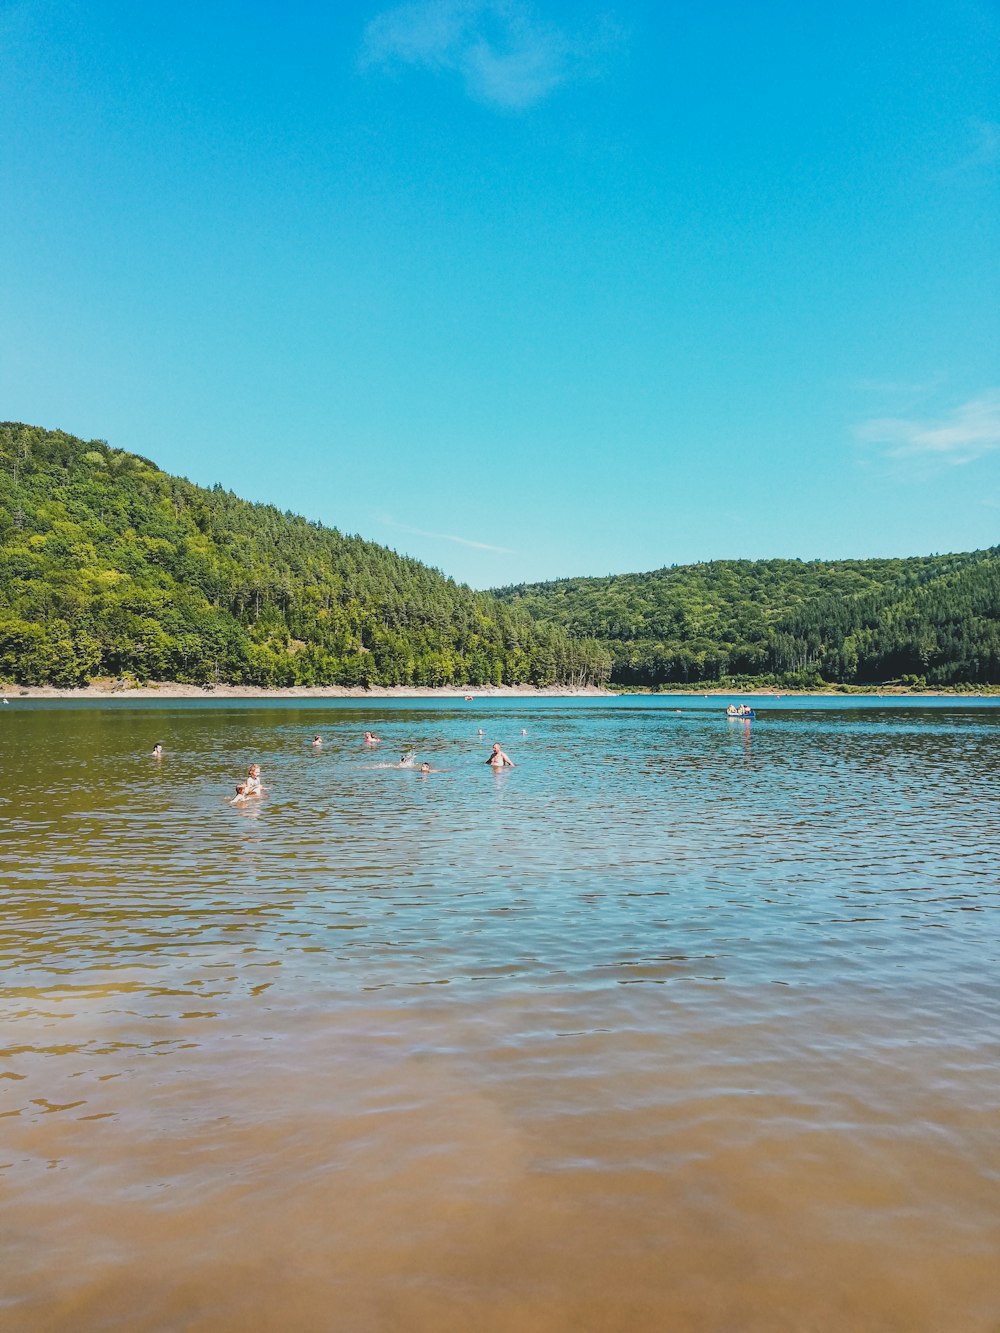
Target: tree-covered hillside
934, 618
109, 566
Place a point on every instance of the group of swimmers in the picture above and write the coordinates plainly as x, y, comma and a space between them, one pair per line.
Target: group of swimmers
251, 787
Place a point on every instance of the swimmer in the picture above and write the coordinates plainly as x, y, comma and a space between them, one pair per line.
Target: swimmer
498, 759
317, 741
481, 732
523, 732
157, 751
426, 768
252, 786
241, 795
372, 739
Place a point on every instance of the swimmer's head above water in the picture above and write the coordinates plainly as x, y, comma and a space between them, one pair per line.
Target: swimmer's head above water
498, 759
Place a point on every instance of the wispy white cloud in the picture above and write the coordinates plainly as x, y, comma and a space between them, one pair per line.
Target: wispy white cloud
971, 430
502, 51
445, 537
911, 389
982, 150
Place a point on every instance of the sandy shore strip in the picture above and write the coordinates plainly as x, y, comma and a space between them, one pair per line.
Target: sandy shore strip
112, 689
171, 690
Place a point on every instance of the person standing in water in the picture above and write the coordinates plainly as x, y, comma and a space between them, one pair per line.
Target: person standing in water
498, 759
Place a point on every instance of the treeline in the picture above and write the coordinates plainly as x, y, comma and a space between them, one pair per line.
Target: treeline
931, 620
111, 567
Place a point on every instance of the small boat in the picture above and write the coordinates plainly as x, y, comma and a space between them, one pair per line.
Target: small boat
740, 711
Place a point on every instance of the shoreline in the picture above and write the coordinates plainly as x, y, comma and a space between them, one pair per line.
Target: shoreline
172, 690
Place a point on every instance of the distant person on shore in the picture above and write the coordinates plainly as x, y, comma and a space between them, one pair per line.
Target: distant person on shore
372, 739
498, 759
157, 751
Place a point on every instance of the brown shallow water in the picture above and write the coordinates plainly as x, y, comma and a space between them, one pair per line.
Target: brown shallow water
700, 1034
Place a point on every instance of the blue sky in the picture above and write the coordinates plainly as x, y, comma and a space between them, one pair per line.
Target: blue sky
522, 288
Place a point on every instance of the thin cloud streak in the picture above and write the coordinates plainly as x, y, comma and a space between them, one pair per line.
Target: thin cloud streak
969, 432
504, 54
446, 537
983, 153
916, 389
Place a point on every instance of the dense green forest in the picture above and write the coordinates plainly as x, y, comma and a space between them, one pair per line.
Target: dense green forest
110, 567
931, 620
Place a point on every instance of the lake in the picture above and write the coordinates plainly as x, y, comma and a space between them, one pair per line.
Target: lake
681, 1024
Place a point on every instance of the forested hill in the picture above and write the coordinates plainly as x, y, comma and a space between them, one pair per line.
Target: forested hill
110, 567
933, 619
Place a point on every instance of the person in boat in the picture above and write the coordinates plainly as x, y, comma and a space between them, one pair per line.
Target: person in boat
372, 739
498, 759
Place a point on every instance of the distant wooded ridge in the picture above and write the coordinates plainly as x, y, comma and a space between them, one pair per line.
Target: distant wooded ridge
927, 620
111, 567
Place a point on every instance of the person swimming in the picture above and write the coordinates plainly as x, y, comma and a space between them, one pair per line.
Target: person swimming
317, 741
157, 751
253, 785
406, 759
372, 739
241, 794
498, 759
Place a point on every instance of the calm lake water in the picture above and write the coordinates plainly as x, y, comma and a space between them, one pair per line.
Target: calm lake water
681, 1024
